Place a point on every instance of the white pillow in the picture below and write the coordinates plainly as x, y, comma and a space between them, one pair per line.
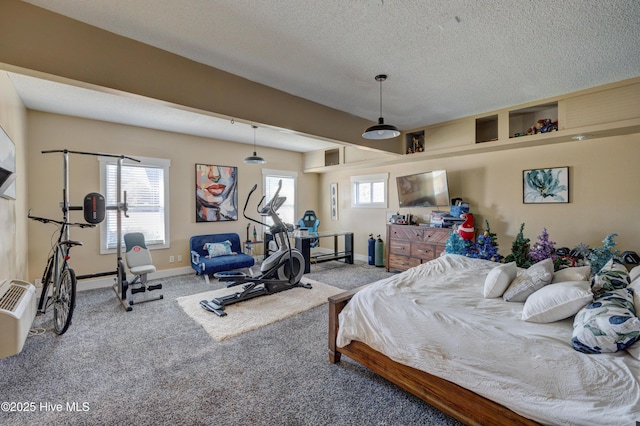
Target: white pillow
578, 273
557, 301
634, 273
531, 280
499, 279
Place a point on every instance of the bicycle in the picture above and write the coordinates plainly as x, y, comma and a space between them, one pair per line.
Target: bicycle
59, 277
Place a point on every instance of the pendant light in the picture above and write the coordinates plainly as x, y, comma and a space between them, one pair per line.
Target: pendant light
254, 159
381, 130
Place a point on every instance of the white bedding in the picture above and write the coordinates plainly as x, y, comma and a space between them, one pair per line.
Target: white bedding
434, 318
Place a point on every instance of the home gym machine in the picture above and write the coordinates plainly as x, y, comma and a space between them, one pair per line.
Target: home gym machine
281, 271
94, 212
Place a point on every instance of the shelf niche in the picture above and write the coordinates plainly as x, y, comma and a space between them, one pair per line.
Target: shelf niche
522, 122
414, 142
332, 157
487, 129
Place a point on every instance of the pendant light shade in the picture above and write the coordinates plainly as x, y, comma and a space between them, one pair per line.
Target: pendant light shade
254, 159
381, 130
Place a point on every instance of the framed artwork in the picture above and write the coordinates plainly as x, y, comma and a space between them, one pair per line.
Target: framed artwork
545, 185
334, 200
216, 193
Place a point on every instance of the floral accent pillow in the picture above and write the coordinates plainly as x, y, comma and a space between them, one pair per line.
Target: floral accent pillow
608, 324
612, 276
531, 280
218, 249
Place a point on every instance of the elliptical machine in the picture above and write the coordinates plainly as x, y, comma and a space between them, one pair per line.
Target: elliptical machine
281, 271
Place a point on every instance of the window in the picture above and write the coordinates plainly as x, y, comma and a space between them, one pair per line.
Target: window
369, 190
271, 178
147, 190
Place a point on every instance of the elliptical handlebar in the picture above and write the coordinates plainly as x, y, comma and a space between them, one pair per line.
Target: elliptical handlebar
267, 209
244, 210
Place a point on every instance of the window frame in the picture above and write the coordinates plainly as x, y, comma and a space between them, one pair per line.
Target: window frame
371, 179
147, 162
282, 174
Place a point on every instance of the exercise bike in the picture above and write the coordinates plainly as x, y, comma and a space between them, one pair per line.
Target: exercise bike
281, 271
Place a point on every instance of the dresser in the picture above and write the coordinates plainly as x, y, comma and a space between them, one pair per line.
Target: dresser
408, 246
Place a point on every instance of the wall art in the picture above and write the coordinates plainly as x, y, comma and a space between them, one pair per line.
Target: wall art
546, 185
216, 193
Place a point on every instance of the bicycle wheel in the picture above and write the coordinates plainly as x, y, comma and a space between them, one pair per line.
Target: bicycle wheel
46, 281
65, 300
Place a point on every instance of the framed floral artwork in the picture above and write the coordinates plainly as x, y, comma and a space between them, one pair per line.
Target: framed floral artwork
545, 185
216, 193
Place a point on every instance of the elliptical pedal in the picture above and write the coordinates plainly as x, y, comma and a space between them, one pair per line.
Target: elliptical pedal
212, 307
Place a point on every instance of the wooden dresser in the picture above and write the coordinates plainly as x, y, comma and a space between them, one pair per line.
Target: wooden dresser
409, 246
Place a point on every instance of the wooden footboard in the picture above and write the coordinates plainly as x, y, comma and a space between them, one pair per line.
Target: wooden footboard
466, 406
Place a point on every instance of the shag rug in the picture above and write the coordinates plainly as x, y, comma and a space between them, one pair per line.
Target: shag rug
254, 313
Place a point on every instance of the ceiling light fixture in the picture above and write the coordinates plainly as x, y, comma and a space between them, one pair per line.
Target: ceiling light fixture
254, 159
381, 130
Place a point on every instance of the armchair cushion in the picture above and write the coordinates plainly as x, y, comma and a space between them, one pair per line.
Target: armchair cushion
203, 264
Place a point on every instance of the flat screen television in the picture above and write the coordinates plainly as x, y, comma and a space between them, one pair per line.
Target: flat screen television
428, 189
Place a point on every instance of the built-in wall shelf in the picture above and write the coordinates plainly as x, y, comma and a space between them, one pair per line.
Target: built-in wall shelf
611, 110
533, 120
414, 142
487, 129
332, 157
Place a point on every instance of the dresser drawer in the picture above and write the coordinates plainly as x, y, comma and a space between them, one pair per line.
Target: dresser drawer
402, 263
436, 235
406, 232
423, 251
400, 247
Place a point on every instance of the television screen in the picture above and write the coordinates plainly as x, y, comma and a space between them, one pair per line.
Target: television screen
427, 189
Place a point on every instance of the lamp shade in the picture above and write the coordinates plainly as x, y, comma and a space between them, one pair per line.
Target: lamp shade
254, 159
381, 131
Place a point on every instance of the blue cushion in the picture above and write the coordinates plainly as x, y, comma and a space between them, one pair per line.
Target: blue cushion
203, 265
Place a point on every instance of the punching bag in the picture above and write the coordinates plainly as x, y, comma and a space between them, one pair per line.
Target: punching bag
379, 252
372, 250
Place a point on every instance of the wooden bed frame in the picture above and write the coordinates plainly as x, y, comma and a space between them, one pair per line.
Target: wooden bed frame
466, 406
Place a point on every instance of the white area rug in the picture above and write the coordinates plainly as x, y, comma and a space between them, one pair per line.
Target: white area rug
254, 313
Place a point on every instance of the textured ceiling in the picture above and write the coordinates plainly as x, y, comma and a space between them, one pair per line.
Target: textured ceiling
445, 58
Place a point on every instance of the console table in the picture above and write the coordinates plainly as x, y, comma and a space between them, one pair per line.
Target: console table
409, 246
303, 243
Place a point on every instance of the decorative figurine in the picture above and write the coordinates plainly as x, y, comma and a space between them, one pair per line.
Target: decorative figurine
466, 230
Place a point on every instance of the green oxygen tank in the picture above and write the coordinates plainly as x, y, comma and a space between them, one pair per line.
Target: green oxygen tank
379, 252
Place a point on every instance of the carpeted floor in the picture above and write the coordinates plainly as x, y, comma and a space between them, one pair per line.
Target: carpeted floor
155, 365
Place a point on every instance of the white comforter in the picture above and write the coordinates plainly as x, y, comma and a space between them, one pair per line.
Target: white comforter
434, 318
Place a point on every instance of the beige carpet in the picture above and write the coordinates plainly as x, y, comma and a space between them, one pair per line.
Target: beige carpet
254, 313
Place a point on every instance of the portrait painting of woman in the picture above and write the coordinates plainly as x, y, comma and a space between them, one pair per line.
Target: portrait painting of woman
216, 193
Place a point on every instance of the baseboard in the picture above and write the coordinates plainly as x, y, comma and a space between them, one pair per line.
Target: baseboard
109, 281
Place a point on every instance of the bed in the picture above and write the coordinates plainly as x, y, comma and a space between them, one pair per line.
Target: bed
431, 331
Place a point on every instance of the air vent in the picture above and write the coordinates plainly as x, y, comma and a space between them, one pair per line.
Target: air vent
11, 299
